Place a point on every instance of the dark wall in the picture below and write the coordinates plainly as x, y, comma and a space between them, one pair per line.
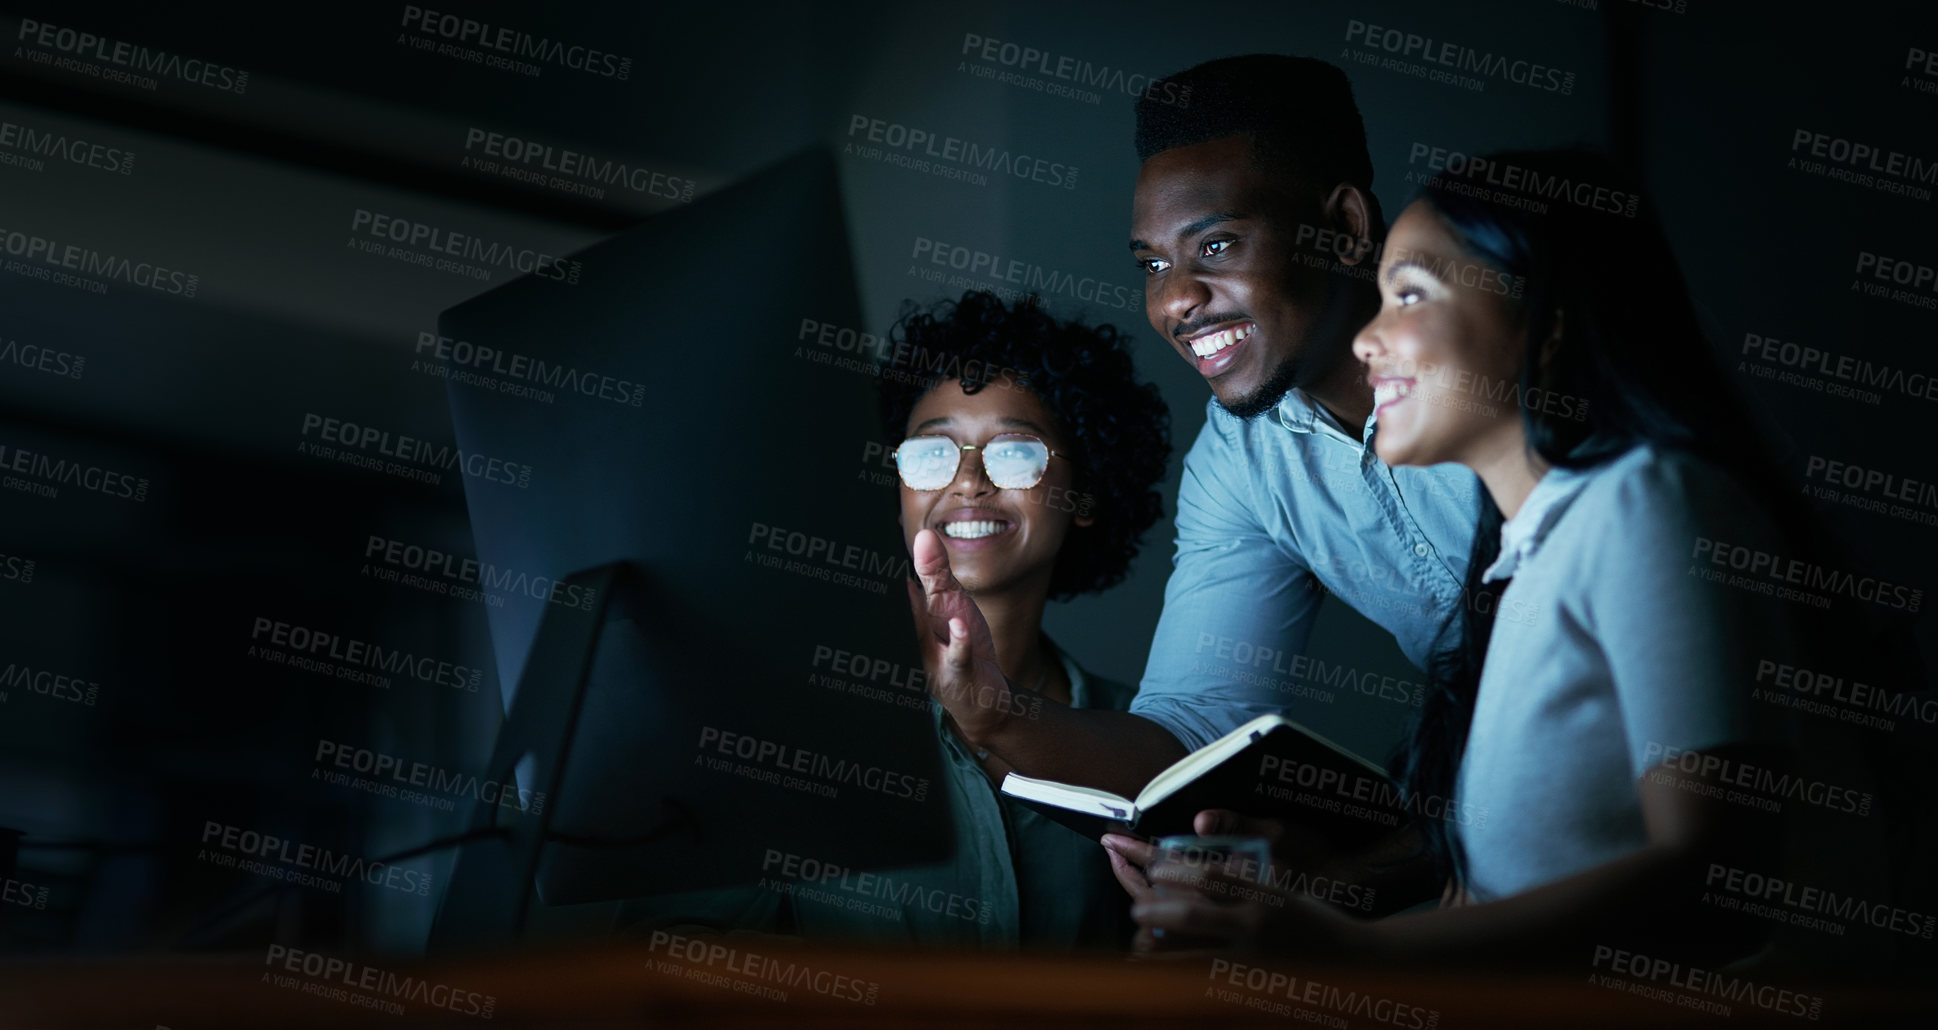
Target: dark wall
262, 191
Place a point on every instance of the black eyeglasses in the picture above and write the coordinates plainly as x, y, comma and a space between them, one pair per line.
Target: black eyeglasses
1013, 461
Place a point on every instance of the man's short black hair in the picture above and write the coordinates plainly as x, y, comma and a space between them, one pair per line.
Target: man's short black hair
1298, 110
1117, 428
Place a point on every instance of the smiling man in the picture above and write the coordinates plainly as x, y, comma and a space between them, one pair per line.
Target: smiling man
1256, 227
1226, 238
1255, 223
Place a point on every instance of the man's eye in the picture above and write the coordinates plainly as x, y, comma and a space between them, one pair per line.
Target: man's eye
1407, 297
1212, 247
1153, 266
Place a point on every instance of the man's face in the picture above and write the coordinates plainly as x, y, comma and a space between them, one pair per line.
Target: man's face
1216, 238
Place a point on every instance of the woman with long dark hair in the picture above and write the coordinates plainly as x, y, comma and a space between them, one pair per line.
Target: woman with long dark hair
1604, 748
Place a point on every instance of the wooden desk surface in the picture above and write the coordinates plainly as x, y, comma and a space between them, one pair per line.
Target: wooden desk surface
759, 983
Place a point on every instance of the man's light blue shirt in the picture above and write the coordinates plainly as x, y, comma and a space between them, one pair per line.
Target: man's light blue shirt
1273, 514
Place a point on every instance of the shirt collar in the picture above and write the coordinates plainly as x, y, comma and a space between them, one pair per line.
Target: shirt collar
1522, 535
1295, 411
1298, 412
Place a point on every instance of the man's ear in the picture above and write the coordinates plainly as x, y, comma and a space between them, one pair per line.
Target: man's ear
1347, 211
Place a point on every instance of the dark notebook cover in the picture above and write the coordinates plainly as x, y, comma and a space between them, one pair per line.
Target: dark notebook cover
1284, 772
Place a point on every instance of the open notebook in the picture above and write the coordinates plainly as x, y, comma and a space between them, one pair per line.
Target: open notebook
1271, 766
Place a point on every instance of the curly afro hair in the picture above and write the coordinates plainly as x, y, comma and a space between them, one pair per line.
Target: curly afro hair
1118, 428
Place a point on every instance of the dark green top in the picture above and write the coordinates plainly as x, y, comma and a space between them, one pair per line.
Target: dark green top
1015, 880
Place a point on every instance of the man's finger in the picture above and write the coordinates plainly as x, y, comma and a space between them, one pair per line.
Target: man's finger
1179, 876
1213, 881
1222, 822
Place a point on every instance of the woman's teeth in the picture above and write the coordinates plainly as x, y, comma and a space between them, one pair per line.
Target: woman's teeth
1211, 343
1390, 390
973, 530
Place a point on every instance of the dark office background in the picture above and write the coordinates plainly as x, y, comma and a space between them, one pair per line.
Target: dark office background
153, 600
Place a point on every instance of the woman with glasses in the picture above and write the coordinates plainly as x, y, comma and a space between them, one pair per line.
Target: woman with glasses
1027, 445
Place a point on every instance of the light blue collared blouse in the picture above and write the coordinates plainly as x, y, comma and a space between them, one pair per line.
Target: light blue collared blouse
1629, 654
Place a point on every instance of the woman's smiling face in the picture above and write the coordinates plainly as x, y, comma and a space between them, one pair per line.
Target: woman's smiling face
996, 539
1444, 353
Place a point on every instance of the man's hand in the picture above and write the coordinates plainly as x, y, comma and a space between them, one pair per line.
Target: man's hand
1291, 848
957, 649
1223, 822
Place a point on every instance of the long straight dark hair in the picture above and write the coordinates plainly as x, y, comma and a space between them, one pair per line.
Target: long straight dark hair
1592, 256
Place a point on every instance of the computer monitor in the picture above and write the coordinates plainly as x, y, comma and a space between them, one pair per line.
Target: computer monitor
754, 687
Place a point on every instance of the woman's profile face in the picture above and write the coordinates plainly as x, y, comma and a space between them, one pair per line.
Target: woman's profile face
996, 539
1443, 355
